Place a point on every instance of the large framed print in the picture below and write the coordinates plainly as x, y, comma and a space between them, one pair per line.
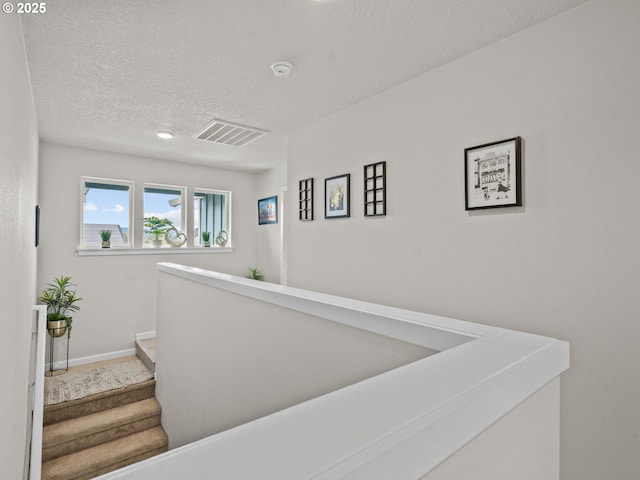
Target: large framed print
336, 196
493, 176
268, 210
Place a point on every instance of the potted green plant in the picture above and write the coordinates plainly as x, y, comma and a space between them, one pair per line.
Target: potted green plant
60, 301
255, 274
156, 227
106, 238
206, 239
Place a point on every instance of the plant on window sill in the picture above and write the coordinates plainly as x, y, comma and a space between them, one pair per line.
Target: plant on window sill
157, 226
206, 239
105, 235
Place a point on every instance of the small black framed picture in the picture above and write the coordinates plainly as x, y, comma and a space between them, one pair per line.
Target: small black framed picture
37, 225
336, 196
268, 210
375, 189
305, 199
493, 176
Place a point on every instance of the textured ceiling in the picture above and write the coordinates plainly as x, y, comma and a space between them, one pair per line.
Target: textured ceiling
108, 74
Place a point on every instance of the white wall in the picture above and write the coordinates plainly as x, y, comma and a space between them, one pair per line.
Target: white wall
18, 199
256, 358
268, 237
522, 445
565, 265
119, 292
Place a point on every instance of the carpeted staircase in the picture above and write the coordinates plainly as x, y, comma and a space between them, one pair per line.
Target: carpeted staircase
90, 436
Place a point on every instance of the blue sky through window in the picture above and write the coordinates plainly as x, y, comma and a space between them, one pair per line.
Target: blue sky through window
157, 205
112, 207
107, 207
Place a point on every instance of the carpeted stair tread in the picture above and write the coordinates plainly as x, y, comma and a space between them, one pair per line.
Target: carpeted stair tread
106, 457
99, 402
94, 378
90, 430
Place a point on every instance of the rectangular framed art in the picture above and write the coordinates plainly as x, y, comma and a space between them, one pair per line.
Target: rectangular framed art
336, 196
268, 210
375, 189
305, 199
37, 225
493, 176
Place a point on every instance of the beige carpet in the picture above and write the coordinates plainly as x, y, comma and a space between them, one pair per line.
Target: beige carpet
74, 385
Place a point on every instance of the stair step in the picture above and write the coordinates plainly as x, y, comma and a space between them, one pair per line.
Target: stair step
146, 352
106, 457
73, 435
99, 402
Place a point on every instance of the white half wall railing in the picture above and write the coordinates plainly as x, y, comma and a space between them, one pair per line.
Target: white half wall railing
447, 382
37, 403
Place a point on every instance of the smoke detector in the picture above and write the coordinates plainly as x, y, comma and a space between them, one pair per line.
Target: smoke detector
281, 69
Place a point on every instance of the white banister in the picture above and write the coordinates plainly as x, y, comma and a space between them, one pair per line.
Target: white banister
398, 424
35, 469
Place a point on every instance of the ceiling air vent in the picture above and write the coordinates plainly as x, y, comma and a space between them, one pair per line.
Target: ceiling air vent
227, 133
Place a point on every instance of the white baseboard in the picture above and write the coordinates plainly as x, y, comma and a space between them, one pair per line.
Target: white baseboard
145, 335
91, 359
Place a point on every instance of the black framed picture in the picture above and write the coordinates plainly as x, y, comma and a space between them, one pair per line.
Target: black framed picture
336, 196
492, 174
37, 225
375, 189
305, 199
268, 210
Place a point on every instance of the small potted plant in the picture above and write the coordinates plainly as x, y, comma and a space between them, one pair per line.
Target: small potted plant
106, 238
206, 239
255, 274
60, 301
156, 227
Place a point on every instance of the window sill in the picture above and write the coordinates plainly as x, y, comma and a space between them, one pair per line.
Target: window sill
86, 252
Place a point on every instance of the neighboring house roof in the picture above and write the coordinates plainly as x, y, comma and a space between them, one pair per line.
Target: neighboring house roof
91, 235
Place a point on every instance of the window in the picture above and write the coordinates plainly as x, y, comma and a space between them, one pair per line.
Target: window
106, 205
210, 213
165, 203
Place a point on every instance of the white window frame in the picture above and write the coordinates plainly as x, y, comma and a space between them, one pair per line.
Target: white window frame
107, 181
227, 209
135, 243
184, 227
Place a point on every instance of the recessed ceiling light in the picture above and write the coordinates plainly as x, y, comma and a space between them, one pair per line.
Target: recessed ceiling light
165, 135
281, 69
